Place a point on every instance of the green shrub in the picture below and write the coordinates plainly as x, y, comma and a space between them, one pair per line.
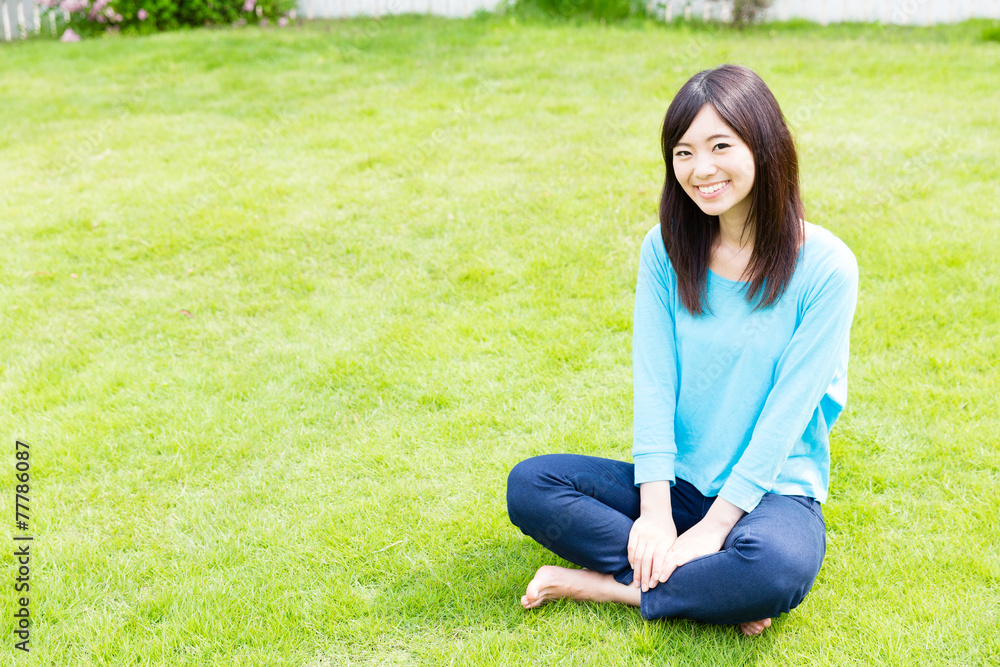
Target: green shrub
745, 12
90, 17
607, 10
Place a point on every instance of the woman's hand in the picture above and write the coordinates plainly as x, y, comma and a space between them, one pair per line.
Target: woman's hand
705, 537
652, 534
649, 543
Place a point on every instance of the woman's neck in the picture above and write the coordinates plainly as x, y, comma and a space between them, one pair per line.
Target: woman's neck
734, 233
732, 249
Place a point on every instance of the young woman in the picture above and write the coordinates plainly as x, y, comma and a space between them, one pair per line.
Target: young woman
740, 344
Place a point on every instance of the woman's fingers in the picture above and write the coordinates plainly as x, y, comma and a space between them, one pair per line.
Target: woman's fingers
669, 565
634, 557
633, 540
648, 544
681, 557
642, 564
660, 568
687, 547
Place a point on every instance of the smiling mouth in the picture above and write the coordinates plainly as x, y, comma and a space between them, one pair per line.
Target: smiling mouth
713, 188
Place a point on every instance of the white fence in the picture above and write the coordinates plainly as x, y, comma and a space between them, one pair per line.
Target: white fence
913, 12
916, 12
21, 17
342, 9
18, 18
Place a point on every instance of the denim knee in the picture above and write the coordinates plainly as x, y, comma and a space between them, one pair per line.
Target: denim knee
523, 490
786, 568
793, 577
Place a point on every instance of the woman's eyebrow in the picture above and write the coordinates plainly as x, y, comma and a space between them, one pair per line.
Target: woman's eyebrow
711, 138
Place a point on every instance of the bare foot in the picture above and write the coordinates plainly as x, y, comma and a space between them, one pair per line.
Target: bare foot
755, 627
557, 583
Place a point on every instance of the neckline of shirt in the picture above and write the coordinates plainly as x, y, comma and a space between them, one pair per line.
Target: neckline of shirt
743, 283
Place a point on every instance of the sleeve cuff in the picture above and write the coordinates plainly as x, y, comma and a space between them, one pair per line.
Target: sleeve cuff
741, 492
654, 468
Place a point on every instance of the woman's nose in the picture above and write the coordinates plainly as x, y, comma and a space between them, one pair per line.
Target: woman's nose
704, 169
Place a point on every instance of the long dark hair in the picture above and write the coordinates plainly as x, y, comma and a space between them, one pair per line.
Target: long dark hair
746, 104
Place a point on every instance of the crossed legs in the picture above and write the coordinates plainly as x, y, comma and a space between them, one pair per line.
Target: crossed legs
582, 509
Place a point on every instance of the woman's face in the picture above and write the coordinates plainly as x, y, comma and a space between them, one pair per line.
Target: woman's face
715, 167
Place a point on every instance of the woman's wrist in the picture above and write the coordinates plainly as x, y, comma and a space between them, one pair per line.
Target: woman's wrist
654, 499
723, 515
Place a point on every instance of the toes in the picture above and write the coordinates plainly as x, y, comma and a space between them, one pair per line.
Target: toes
532, 599
754, 628
532, 595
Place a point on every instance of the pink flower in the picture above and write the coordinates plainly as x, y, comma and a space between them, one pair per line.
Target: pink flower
142, 14
97, 8
73, 6
69, 36
263, 23
282, 21
248, 5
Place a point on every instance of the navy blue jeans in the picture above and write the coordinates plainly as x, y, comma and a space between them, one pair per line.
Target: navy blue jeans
582, 508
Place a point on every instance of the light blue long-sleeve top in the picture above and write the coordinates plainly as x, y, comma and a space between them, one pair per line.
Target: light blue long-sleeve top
740, 402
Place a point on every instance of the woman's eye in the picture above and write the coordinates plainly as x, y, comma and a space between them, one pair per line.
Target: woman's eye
681, 154
720, 146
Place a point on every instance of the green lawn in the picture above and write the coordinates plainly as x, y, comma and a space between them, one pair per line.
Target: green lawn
281, 308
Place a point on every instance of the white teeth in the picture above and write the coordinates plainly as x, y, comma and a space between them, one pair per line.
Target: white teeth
712, 188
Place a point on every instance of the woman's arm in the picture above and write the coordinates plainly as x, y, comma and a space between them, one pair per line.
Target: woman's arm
654, 384
654, 365
802, 377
